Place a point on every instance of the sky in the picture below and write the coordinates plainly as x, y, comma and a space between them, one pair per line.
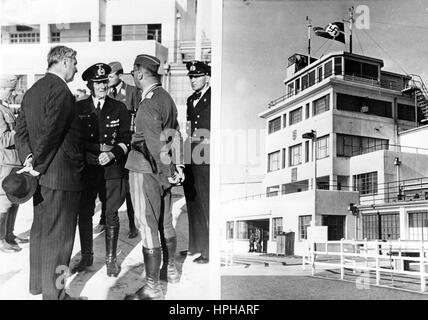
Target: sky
259, 36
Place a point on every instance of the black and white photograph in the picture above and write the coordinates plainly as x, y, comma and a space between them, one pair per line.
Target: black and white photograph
233, 150
323, 180
103, 102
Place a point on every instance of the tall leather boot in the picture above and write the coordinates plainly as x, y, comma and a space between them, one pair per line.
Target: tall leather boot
112, 235
133, 232
4, 246
86, 246
152, 290
169, 266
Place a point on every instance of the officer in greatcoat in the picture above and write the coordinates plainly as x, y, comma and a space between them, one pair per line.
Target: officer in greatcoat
107, 138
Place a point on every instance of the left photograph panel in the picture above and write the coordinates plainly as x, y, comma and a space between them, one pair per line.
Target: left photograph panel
104, 150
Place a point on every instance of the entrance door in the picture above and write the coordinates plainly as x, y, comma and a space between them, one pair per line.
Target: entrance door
336, 226
262, 226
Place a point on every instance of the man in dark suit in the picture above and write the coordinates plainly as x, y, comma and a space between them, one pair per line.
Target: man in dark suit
127, 94
151, 173
197, 183
107, 138
49, 142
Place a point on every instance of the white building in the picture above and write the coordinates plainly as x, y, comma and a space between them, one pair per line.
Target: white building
351, 112
103, 31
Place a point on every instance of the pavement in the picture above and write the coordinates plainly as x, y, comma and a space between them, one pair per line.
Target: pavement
195, 283
270, 277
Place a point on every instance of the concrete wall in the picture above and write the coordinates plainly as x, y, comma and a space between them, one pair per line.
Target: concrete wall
415, 138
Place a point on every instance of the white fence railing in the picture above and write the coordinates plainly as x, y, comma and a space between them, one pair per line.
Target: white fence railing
363, 255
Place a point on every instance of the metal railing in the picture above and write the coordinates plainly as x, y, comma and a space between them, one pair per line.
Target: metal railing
388, 257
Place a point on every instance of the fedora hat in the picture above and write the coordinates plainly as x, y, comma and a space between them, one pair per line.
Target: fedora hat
19, 187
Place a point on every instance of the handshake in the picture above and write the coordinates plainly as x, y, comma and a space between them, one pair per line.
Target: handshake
177, 177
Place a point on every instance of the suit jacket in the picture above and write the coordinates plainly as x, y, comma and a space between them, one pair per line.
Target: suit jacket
155, 121
111, 129
199, 126
128, 95
8, 154
48, 127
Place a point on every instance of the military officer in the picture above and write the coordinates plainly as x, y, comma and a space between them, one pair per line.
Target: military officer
123, 92
197, 171
107, 141
151, 176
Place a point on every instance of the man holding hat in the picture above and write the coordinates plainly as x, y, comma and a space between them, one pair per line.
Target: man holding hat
49, 142
9, 160
107, 138
127, 94
151, 174
197, 171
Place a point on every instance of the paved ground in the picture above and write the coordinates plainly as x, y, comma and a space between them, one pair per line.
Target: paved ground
260, 276
94, 284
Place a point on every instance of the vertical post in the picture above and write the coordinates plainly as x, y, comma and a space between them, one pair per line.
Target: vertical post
422, 266
378, 247
314, 152
366, 251
198, 35
351, 21
342, 261
313, 258
309, 37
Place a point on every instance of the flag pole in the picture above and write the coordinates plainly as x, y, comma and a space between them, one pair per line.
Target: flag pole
309, 35
351, 21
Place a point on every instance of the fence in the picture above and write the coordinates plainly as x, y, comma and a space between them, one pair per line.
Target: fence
363, 255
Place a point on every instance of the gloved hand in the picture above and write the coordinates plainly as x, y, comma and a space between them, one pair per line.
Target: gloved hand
177, 177
28, 167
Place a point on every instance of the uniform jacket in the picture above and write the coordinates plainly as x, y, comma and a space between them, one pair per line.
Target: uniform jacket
48, 127
111, 128
199, 124
156, 115
8, 154
128, 95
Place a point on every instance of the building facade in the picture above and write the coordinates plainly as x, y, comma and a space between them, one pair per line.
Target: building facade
339, 121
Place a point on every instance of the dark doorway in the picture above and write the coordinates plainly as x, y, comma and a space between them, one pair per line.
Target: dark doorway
336, 226
263, 229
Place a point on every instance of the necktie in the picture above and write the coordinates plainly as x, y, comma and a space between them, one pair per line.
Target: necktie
98, 108
114, 92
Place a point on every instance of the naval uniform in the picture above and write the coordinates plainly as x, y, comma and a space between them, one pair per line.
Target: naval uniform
197, 172
104, 130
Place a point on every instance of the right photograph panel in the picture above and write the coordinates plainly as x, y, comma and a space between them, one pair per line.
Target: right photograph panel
324, 140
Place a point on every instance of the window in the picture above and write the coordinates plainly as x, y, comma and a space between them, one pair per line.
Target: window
25, 37
322, 147
418, 226
307, 151
229, 230
311, 78
273, 161
319, 71
283, 189
241, 230
276, 226
366, 183
296, 116
297, 86
338, 66
407, 112
349, 146
356, 104
295, 155
321, 105
305, 82
328, 69
284, 120
308, 111
274, 125
284, 158
55, 36
387, 224
137, 32
272, 191
290, 89
304, 223
361, 69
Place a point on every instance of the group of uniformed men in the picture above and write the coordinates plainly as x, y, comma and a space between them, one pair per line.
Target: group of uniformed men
128, 134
